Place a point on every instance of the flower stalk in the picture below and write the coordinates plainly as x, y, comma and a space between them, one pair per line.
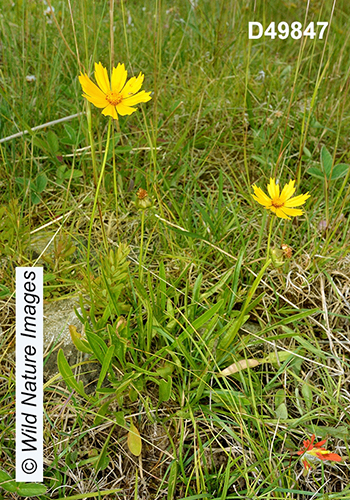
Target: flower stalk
143, 202
272, 220
96, 195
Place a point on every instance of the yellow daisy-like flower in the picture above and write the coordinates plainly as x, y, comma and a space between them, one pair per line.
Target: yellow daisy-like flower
116, 97
282, 204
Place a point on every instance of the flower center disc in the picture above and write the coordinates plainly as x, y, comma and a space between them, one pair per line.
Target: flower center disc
114, 98
277, 203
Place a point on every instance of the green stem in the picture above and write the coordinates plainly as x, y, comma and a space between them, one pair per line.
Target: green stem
261, 234
272, 219
92, 144
141, 244
96, 197
326, 198
115, 183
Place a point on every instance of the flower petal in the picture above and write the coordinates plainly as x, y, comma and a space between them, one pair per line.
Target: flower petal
261, 197
306, 464
331, 456
125, 110
273, 189
133, 85
287, 191
306, 443
90, 88
110, 111
297, 200
101, 77
320, 443
292, 211
135, 99
280, 213
119, 76
99, 102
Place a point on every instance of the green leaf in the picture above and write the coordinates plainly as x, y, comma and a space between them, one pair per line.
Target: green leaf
199, 322
105, 365
339, 171
97, 345
307, 394
120, 419
220, 285
7, 482
4, 291
311, 348
79, 343
41, 144
316, 172
341, 432
123, 149
40, 183
102, 412
134, 440
52, 140
280, 397
196, 288
103, 460
31, 489
165, 370
282, 356
292, 318
77, 173
307, 152
119, 344
326, 161
253, 304
165, 389
67, 374
231, 332
35, 198
22, 489
20, 181
71, 136
172, 481
281, 411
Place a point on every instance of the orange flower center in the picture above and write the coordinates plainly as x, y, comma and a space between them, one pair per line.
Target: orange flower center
114, 98
277, 203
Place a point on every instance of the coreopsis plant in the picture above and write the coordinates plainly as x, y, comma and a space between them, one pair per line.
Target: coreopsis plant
315, 453
116, 96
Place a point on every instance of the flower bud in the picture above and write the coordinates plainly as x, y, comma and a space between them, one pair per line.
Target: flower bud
143, 201
277, 257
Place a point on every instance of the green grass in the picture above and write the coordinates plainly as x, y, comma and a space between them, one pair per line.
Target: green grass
165, 317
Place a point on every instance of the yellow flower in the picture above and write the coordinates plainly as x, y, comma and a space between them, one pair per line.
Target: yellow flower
117, 97
280, 204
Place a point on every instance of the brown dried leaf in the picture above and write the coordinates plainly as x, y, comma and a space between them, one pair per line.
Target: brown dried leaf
239, 365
